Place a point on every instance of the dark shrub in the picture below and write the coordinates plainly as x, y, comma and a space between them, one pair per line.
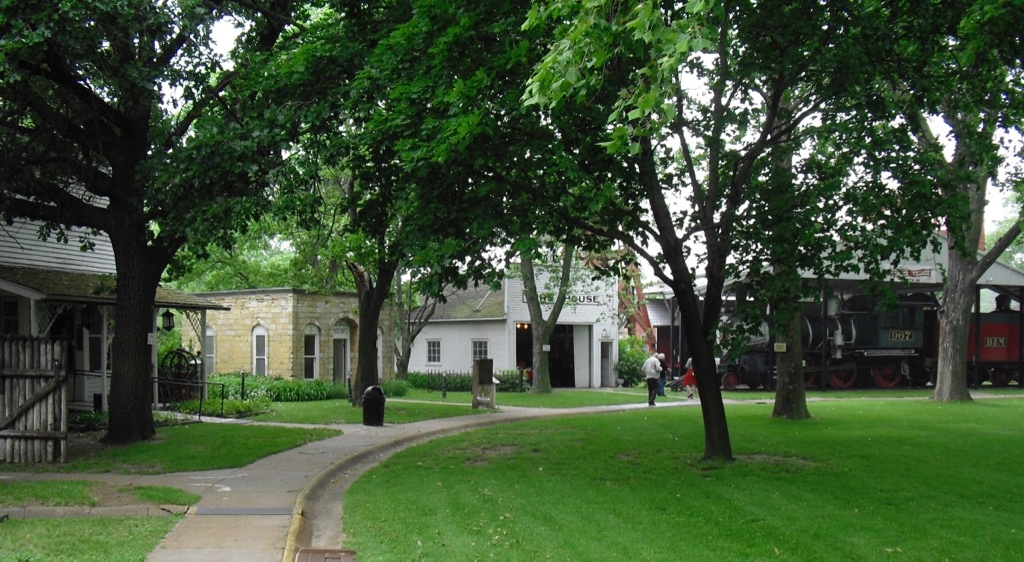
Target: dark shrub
632, 354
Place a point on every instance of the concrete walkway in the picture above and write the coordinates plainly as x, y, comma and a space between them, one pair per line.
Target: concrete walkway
286, 506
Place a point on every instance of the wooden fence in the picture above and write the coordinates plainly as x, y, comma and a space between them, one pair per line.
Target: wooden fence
33, 400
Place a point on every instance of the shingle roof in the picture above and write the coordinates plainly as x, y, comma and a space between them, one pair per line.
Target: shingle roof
65, 286
475, 303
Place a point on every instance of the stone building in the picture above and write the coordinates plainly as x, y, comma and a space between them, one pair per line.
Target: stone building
288, 333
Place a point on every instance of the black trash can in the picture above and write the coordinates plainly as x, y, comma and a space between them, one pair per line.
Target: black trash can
373, 406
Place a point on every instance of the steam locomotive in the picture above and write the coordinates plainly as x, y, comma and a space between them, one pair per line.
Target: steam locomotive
859, 343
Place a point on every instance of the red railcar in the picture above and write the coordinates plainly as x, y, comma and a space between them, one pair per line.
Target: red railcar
1000, 353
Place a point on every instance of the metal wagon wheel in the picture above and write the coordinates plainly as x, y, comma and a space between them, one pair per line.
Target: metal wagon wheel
181, 367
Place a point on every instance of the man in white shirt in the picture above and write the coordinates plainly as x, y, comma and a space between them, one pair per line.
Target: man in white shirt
652, 371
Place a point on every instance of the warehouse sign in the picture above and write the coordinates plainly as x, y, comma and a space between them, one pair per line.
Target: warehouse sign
548, 298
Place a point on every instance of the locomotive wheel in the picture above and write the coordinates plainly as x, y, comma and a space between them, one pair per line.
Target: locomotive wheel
885, 377
842, 378
810, 380
999, 378
730, 381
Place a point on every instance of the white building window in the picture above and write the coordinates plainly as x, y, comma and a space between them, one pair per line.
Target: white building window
259, 350
209, 351
433, 351
479, 349
311, 353
92, 321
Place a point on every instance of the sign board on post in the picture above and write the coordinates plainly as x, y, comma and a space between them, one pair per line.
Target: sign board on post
484, 370
780, 348
483, 383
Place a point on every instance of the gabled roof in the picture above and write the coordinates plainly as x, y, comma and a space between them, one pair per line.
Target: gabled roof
925, 274
474, 303
73, 287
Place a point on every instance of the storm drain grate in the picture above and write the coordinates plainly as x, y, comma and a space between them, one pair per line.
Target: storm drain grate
324, 555
243, 511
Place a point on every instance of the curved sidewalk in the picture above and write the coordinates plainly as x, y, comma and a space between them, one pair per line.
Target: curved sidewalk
286, 504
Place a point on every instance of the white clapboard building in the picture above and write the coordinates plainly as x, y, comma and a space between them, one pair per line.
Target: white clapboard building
54, 289
495, 323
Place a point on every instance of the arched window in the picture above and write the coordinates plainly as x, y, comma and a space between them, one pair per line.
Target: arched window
259, 350
311, 353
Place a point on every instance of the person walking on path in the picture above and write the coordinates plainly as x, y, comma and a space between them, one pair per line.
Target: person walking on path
689, 380
663, 375
652, 372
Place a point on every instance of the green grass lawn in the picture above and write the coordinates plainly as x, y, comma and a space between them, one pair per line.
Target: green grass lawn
202, 446
187, 447
341, 411
863, 480
558, 398
82, 538
66, 493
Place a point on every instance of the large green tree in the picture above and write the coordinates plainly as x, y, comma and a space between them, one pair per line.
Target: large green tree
121, 117
445, 171
695, 150
717, 95
959, 85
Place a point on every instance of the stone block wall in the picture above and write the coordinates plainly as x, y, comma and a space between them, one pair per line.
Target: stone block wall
286, 315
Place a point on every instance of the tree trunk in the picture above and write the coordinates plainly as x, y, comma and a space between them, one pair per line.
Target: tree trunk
402, 361
543, 328
403, 325
131, 379
409, 323
790, 393
371, 301
955, 321
717, 445
541, 368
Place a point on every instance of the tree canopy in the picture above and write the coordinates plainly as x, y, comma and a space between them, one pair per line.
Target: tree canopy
122, 118
736, 116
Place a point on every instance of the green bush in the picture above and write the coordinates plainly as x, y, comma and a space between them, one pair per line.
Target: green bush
394, 389
87, 421
275, 389
97, 421
512, 381
632, 354
457, 382
232, 408
463, 382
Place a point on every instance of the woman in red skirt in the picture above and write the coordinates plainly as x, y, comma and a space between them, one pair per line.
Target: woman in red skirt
689, 381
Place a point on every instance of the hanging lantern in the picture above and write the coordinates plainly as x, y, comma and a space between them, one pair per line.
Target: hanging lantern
167, 320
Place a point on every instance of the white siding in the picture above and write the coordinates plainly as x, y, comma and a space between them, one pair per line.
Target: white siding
457, 346
589, 302
592, 311
20, 246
